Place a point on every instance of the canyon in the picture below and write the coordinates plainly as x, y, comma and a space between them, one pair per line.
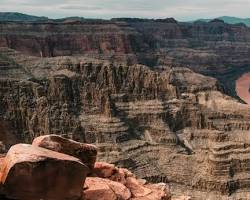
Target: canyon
155, 96
215, 49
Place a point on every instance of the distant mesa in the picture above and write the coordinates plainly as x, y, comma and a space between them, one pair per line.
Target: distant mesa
217, 21
167, 20
229, 20
130, 20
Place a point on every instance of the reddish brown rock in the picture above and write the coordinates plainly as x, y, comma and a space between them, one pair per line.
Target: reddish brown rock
136, 188
160, 191
183, 198
32, 173
104, 189
106, 170
85, 152
98, 190
121, 175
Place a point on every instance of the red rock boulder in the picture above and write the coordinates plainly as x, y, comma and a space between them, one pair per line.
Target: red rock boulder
87, 153
105, 189
182, 198
106, 170
34, 173
138, 188
159, 191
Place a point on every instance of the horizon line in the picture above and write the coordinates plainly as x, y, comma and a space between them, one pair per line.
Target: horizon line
125, 17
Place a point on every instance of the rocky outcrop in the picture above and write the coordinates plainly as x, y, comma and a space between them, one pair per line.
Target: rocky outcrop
50, 175
130, 187
30, 173
85, 152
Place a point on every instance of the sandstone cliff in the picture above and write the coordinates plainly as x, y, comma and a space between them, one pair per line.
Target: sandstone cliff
161, 120
165, 124
216, 48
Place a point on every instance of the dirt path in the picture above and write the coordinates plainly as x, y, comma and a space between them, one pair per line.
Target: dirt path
242, 87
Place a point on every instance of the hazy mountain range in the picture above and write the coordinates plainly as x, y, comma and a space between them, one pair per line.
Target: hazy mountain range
230, 20
15, 16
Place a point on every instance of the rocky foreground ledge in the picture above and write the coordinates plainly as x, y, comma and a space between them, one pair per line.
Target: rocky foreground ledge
55, 168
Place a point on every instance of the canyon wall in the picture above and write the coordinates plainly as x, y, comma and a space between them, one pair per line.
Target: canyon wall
216, 49
132, 88
165, 124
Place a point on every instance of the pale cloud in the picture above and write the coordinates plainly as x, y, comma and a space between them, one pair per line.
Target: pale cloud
180, 9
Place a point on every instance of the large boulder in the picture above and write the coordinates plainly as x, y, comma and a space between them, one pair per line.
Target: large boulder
34, 173
85, 152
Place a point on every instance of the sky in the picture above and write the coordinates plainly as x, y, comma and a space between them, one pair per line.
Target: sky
183, 10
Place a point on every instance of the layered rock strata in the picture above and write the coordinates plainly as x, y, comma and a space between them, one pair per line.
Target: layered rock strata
163, 124
215, 48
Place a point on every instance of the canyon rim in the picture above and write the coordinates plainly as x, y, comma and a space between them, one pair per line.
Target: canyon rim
164, 102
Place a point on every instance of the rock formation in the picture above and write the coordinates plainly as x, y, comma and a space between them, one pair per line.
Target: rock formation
163, 121
135, 115
215, 48
31, 172
85, 152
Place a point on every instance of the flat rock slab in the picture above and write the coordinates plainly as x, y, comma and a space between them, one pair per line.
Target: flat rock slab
34, 173
85, 152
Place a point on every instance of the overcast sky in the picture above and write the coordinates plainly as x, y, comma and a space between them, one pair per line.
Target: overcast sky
180, 9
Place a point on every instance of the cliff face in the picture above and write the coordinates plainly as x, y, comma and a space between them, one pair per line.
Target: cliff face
216, 48
163, 122
48, 95
48, 40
